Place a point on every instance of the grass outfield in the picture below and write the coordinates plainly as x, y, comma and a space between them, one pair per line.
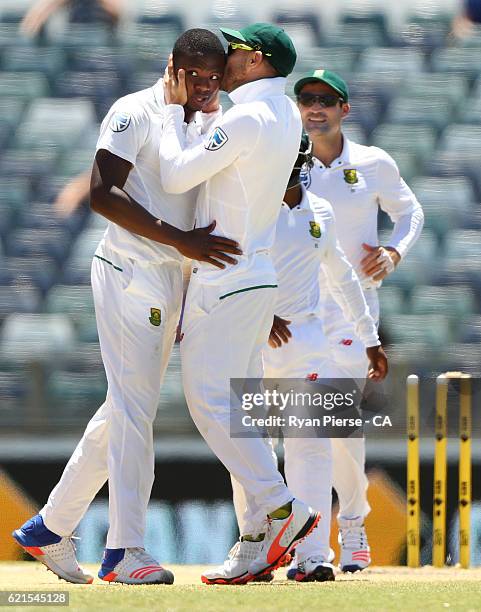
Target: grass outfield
390, 588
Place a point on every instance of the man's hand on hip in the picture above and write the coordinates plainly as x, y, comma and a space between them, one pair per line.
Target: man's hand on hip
379, 261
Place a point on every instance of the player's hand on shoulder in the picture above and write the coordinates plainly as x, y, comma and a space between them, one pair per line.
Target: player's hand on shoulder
280, 332
379, 261
378, 365
175, 89
200, 244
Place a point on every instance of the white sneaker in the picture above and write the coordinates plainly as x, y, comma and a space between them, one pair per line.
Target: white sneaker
133, 566
314, 569
54, 551
236, 567
282, 535
355, 551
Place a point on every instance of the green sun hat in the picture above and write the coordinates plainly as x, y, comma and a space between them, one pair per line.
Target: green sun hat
272, 40
324, 76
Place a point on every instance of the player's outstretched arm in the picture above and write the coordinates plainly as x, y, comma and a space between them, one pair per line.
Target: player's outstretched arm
107, 197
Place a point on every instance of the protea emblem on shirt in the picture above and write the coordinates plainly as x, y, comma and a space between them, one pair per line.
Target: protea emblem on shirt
155, 316
350, 176
315, 230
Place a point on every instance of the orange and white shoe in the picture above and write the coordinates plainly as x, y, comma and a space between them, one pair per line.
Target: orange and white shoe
133, 566
282, 536
54, 551
355, 550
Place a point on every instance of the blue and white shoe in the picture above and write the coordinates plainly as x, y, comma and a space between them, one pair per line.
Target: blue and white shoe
315, 568
54, 551
133, 566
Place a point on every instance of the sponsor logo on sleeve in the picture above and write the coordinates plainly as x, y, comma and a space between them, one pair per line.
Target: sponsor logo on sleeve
217, 140
119, 122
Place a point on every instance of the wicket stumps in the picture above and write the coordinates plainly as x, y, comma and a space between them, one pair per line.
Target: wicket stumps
440, 470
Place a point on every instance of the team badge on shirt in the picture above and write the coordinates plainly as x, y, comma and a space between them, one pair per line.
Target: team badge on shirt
155, 316
217, 140
315, 230
350, 176
119, 122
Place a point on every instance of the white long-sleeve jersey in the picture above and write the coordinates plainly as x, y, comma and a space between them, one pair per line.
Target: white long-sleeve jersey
359, 182
306, 243
243, 167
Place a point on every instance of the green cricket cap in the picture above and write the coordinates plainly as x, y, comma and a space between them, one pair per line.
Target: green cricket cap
271, 40
324, 76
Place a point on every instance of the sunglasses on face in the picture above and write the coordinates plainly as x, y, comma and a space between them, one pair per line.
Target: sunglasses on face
233, 46
324, 100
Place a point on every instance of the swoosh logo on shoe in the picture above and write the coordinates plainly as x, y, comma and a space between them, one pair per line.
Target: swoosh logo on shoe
276, 550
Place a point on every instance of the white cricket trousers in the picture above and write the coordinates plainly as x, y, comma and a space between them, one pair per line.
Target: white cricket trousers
137, 306
349, 454
307, 461
224, 332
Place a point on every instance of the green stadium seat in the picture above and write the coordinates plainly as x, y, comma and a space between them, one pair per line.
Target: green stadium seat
407, 163
75, 301
470, 330
87, 327
462, 357
434, 330
71, 395
303, 26
461, 138
456, 191
463, 247
11, 110
53, 122
405, 61
49, 61
355, 36
460, 60
338, 59
437, 85
23, 86
391, 301
80, 35
18, 299
76, 162
455, 302
416, 139
444, 200
433, 111
411, 354
470, 111
11, 37
144, 36
27, 164
33, 337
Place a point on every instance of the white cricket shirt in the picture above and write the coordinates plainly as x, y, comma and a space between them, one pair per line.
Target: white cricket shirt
131, 130
357, 183
245, 163
306, 241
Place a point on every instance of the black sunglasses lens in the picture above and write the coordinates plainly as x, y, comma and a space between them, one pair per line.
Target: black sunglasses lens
324, 100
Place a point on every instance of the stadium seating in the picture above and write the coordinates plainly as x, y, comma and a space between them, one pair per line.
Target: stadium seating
414, 92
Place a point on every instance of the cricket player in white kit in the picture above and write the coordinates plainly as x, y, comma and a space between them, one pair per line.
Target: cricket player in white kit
306, 243
137, 287
228, 315
357, 180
